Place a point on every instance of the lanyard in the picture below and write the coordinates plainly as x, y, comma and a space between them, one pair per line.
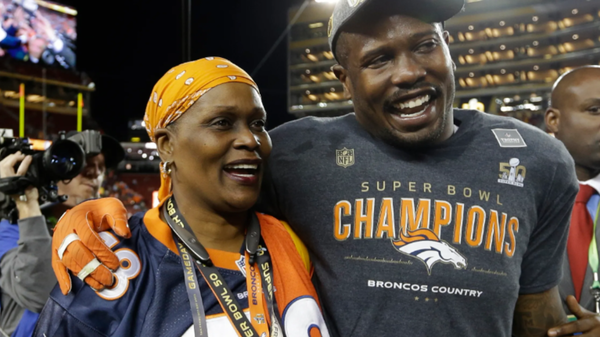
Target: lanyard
263, 260
594, 263
191, 250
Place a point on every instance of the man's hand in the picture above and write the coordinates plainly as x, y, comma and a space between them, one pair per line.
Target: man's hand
27, 204
76, 245
588, 323
43, 27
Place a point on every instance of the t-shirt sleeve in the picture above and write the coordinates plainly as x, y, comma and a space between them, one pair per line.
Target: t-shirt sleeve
300, 247
55, 321
542, 262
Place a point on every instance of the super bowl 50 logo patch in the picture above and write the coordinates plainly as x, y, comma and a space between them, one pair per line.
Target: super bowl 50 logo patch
424, 245
512, 173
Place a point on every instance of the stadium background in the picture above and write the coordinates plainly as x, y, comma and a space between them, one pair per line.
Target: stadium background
508, 55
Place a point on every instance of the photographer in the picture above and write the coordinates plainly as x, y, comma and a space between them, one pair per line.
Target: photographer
25, 248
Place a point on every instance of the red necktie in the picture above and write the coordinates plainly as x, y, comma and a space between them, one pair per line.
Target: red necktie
580, 236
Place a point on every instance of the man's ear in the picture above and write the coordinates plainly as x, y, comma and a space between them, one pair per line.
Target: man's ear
342, 74
552, 119
446, 37
165, 139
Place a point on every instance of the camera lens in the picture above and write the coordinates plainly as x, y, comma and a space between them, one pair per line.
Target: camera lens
64, 160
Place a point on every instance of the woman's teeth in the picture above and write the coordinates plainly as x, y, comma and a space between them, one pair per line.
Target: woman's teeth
242, 167
242, 170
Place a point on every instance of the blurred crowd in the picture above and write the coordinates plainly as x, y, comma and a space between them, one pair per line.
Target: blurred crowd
30, 32
130, 197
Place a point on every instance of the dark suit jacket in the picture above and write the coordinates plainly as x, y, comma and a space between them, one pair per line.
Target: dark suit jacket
566, 285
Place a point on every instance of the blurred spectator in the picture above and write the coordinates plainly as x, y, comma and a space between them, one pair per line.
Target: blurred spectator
36, 47
134, 202
10, 40
54, 47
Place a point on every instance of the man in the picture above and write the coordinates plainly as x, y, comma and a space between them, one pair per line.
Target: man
26, 277
54, 48
574, 118
439, 222
420, 219
87, 184
36, 46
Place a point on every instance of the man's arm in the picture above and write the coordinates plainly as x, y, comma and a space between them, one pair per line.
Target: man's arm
26, 271
536, 313
539, 306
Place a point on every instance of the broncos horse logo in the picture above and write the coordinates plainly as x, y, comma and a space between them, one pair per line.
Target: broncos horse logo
427, 247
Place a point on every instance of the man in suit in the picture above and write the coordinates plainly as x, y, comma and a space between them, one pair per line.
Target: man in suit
574, 118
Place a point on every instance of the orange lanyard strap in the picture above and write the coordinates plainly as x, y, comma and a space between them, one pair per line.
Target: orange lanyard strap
256, 299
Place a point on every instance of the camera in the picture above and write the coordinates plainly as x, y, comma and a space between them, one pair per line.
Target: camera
63, 160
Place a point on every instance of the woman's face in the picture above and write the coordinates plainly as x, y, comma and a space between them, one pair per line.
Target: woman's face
219, 149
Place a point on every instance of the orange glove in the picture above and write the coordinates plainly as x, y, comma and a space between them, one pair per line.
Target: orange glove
77, 247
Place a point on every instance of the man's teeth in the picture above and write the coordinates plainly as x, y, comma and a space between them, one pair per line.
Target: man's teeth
242, 167
414, 114
414, 102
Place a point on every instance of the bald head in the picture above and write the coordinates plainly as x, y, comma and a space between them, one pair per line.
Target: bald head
564, 84
574, 118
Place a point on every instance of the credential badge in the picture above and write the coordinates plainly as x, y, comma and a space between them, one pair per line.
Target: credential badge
509, 138
345, 157
512, 173
354, 3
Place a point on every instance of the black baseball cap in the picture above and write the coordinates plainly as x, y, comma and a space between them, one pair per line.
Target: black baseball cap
111, 149
426, 10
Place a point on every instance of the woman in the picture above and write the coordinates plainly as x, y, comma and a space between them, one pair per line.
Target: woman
202, 247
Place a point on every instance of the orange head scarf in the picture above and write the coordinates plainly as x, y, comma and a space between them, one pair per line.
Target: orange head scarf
179, 89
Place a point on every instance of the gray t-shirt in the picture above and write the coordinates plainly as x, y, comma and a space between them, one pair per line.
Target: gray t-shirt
435, 242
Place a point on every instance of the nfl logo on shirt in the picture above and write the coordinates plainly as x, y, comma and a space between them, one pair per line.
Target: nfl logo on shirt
345, 157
